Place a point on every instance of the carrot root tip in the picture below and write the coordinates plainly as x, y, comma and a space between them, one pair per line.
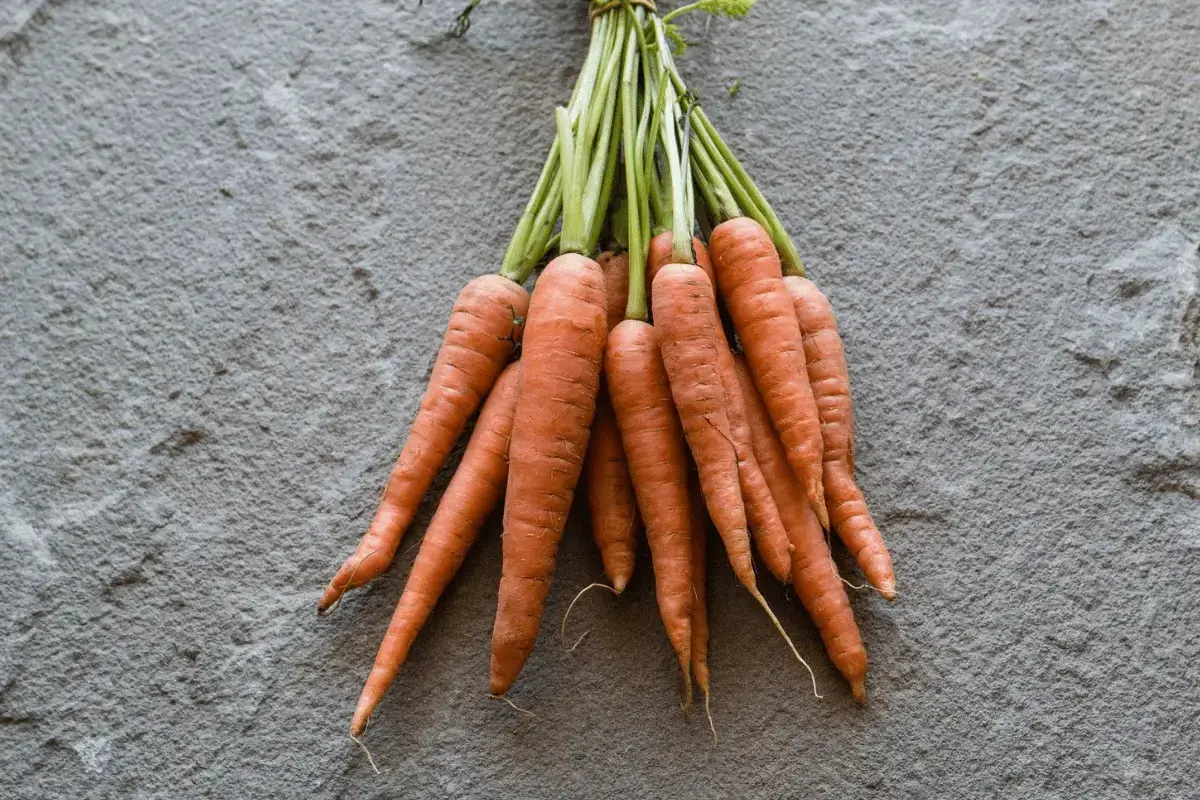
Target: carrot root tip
370, 759
708, 713
858, 688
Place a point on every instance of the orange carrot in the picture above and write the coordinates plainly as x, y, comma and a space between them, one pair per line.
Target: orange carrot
473, 492
816, 580
660, 256
560, 374
767, 529
751, 283
653, 440
699, 587
685, 314
610, 495
485, 326
616, 284
685, 317
831, 386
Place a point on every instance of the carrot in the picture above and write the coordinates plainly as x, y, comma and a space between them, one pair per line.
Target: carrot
751, 283
660, 255
816, 580
699, 588
560, 375
653, 440
611, 497
485, 326
831, 386
472, 494
685, 314
767, 529
616, 284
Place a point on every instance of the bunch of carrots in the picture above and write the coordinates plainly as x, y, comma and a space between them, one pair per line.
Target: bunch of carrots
682, 380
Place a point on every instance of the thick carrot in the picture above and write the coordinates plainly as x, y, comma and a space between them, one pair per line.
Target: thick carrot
685, 314
616, 284
767, 529
611, 498
473, 492
485, 326
699, 587
816, 580
560, 374
831, 386
751, 283
653, 440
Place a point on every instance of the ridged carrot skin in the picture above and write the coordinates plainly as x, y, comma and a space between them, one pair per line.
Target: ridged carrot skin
562, 355
611, 498
826, 359
471, 496
766, 527
485, 326
814, 576
750, 279
653, 439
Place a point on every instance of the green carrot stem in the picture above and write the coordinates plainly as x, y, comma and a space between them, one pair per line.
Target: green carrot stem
636, 307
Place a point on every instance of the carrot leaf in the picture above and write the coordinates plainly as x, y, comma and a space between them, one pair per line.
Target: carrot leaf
733, 9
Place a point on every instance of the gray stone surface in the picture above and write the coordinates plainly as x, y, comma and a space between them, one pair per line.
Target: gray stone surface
229, 236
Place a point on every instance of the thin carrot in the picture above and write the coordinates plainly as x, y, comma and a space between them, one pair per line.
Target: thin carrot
472, 494
653, 439
816, 580
830, 381
685, 314
766, 527
699, 588
560, 375
610, 495
751, 283
485, 326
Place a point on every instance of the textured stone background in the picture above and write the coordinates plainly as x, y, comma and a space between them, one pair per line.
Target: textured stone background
230, 233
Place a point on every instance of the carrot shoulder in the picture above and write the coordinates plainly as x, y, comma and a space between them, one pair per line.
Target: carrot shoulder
831, 386
472, 494
653, 439
816, 580
616, 284
485, 326
751, 283
611, 497
560, 374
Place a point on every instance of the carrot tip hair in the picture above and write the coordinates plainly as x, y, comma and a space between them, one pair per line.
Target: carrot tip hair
513, 705
708, 713
762, 601
370, 760
563, 633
